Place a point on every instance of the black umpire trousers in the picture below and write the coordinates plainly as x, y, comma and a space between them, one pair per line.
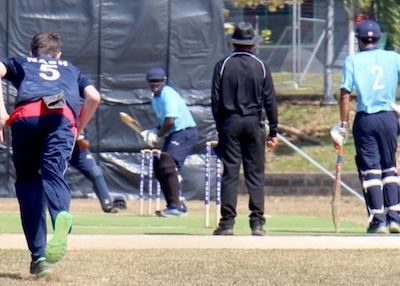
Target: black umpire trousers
242, 140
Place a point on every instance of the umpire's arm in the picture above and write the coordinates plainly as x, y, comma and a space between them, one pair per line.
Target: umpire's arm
270, 103
215, 91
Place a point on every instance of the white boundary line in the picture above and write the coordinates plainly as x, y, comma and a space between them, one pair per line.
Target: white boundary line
17, 241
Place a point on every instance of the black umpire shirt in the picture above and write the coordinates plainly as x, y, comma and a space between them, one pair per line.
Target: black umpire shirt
242, 84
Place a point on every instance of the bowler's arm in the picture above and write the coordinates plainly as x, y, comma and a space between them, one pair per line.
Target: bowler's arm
89, 107
3, 111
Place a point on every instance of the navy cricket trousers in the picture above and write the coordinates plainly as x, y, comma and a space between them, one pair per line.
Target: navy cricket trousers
42, 146
375, 137
84, 162
180, 144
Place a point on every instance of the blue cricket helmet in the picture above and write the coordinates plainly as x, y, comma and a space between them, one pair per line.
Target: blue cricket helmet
368, 29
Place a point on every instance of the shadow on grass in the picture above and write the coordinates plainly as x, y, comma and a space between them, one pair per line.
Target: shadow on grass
11, 276
313, 232
282, 149
166, 234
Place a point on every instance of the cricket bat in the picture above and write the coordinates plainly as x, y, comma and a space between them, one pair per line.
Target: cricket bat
132, 123
337, 189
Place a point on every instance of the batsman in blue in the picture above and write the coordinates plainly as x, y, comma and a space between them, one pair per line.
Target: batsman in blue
374, 74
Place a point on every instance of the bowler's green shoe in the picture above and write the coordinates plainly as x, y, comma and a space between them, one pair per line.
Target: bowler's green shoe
57, 246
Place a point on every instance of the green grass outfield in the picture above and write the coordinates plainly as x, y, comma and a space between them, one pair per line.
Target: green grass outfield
193, 224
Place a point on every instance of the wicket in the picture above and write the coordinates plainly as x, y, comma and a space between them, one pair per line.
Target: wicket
207, 186
147, 155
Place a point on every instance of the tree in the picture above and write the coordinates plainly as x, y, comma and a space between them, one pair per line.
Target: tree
386, 12
273, 5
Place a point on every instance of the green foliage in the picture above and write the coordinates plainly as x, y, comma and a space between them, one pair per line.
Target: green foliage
387, 12
226, 12
273, 5
266, 34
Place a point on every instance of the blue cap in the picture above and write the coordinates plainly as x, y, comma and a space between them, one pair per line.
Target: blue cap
155, 73
368, 29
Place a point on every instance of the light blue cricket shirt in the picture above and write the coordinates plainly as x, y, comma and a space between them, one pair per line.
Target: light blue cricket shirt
375, 75
171, 104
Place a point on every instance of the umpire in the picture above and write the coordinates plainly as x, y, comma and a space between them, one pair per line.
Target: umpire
241, 87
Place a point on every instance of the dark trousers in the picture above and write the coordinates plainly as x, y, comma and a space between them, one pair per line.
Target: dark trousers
375, 138
84, 162
167, 175
42, 147
242, 139
180, 144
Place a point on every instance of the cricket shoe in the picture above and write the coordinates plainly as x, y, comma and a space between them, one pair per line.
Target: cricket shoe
57, 246
378, 228
394, 227
40, 268
172, 212
183, 208
258, 230
111, 209
223, 230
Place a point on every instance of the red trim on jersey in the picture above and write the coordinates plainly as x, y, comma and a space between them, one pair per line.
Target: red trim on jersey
38, 108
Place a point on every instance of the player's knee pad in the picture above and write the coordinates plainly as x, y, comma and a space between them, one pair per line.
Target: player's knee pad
371, 179
156, 168
390, 181
372, 186
167, 164
373, 212
389, 176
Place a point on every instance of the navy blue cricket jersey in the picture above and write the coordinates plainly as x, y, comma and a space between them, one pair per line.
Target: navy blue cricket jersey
36, 77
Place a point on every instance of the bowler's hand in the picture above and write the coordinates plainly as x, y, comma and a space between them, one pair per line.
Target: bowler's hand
3, 123
272, 142
83, 144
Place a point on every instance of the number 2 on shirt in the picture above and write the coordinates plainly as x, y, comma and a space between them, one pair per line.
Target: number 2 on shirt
378, 71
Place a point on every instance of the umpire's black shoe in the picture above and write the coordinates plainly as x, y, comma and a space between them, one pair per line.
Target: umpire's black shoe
258, 230
223, 230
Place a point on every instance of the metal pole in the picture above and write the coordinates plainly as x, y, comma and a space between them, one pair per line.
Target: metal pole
313, 54
294, 44
298, 22
352, 35
257, 31
328, 76
302, 153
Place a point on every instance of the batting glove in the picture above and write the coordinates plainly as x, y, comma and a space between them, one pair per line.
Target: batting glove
150, 136
340, 134
144, 134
